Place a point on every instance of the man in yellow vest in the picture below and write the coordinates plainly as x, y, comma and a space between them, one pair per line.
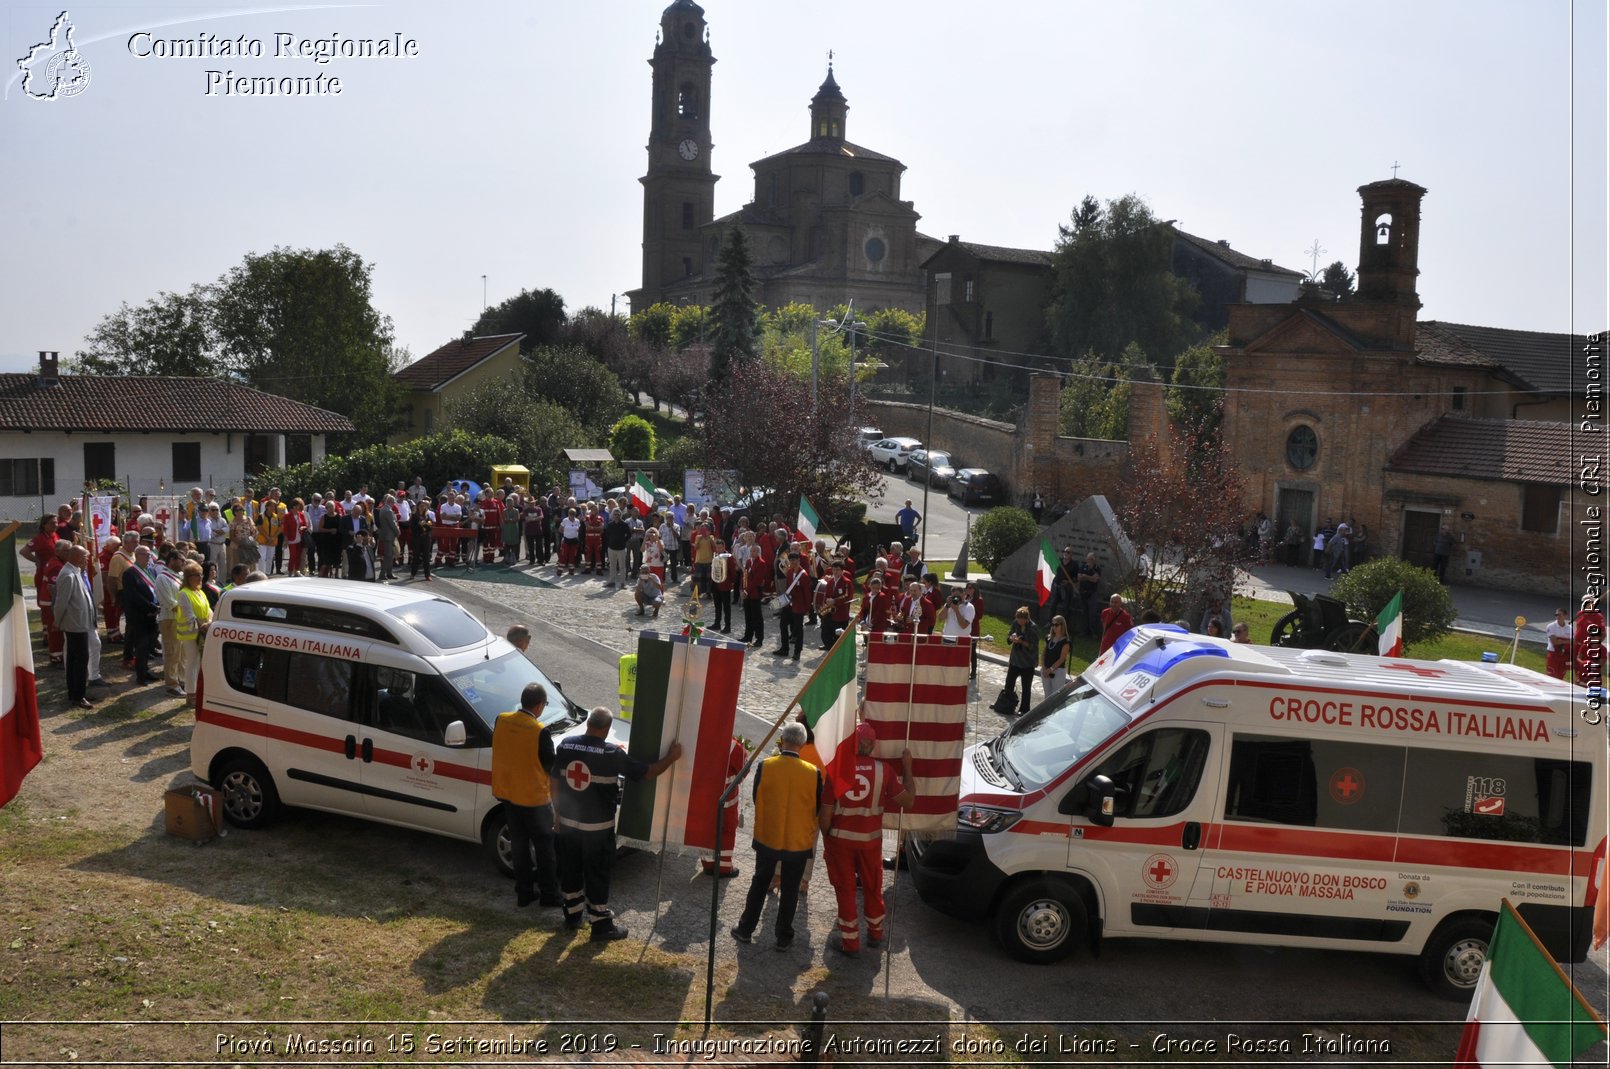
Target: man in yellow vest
788, 795
522, 754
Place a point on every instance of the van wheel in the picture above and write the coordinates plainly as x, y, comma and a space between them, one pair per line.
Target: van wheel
250, 800
1451, 962
1041, 921
495, 837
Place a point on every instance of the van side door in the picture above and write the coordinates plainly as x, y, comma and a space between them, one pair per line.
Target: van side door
411, 777
1164, 791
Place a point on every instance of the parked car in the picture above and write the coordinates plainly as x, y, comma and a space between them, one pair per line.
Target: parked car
866, 436
975, 486
935, 464
892, 453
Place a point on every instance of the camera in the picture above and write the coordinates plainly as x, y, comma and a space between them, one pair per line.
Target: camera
955, 599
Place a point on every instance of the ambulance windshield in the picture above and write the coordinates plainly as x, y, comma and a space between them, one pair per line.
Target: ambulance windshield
1041, 746
494, 686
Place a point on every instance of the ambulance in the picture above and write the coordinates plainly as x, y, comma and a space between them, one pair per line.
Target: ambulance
1185, 787
361, 699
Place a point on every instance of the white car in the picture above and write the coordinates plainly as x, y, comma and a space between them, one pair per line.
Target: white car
866, 437
892, 453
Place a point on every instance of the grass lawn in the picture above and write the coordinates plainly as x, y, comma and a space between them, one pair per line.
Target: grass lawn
1261, 617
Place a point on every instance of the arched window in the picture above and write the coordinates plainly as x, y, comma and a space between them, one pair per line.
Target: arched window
1383, 229
1302, 447
687, 101
857, 183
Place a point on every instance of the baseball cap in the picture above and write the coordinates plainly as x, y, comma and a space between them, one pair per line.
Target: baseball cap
865, 732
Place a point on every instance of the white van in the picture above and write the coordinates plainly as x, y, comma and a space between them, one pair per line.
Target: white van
355, 698
1197, 789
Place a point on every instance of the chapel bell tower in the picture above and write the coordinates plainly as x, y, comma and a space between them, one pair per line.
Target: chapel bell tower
1389, 241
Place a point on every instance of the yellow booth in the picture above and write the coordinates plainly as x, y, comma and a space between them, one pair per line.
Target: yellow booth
518, 472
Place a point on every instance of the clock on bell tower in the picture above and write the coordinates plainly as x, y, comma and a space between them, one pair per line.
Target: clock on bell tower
678, 190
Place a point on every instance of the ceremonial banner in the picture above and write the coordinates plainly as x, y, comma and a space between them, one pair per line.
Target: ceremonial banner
916, 697
100, 518
20, 745
168, 511
687, 691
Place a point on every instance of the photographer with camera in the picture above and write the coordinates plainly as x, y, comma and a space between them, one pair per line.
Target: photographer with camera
956, 616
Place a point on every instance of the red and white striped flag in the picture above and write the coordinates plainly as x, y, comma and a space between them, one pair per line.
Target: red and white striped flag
20, 745
916, 697
687, 691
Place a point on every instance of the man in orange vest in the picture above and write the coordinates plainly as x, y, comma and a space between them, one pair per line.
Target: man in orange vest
522, 754
788, 793
852, 837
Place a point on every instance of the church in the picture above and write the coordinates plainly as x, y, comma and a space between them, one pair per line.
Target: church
826, 223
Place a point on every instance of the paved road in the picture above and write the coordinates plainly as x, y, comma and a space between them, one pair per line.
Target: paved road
944, 521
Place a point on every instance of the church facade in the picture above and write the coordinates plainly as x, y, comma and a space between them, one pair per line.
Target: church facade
826, 223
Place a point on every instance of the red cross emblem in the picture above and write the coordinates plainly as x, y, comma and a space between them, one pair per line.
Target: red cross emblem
98, 520
1346, 786
1417, 669
578, 775
423, 764
1159, 871
163, 516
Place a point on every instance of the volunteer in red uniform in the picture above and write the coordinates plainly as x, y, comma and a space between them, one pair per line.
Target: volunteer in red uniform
875, 607
41, 552
736, 756
852, 829
835, 610
756, 573
595, 542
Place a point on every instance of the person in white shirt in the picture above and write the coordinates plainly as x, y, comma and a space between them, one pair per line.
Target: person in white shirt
956, 617
168, 583
1558, 636
569, 542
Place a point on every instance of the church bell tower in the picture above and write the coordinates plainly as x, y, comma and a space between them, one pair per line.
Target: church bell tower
679, 189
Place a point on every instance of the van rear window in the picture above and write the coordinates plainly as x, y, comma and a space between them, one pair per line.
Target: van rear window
443, 623
1498, 796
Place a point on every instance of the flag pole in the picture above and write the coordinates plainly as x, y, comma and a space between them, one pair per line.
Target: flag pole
665, 828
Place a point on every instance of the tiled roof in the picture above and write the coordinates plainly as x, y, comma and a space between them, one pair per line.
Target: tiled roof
1239, 260
829, 146
1501, 450
1004, 255
1541, 361
434, 370
155, 403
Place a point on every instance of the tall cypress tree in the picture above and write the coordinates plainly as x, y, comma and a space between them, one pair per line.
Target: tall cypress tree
736, 320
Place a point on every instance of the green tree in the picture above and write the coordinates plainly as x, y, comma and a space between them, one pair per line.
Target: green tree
1336, 279
539, 429
300, 323
690, 325
652, 325
448, 454
1196, 392
1428, 611
538, 314
735, 325
632, 438
171, 334
999, 532
1095, 400
576, 382
1112, 284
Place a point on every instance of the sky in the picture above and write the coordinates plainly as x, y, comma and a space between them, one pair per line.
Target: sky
509, 145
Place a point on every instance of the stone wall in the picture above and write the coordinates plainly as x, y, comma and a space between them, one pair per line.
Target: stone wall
972, 441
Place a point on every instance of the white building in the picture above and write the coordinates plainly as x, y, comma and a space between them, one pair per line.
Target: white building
153, 434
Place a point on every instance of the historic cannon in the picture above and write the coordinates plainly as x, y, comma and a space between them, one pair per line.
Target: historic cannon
1318, 622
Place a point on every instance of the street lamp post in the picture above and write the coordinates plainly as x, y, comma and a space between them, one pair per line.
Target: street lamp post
854, 329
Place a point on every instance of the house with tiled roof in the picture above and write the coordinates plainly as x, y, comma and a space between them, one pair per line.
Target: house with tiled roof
434, 380
1357, 410
151, 433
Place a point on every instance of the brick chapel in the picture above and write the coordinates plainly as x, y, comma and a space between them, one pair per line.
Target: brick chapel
826, 222
1357, 410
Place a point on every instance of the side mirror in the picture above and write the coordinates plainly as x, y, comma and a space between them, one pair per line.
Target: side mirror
454, 735
1100, 797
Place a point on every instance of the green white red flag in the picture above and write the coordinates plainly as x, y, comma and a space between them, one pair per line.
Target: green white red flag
1525, 1011
642, 494
1045, 572
20, 745
687, 692
808, 520
1389, 628
829, 702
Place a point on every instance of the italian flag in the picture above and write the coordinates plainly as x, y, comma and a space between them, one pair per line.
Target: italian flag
828, 702
808, 520
20, 746
642, 492
1389, 628
687, 691
1045, 573
1526, 1011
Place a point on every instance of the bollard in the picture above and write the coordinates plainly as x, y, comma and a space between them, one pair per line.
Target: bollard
811, 1052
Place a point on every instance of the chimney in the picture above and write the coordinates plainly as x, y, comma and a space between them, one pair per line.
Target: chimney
954, 238
1224, 243
48, 373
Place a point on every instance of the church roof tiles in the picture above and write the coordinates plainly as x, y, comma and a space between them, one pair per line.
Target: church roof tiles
1541, 361
1499, 450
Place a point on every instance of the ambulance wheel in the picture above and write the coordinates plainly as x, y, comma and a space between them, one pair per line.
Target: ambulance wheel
1451, 962
1041, 921
499, 847
1286, 630
250, 800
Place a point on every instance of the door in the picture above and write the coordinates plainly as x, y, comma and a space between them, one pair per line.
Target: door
1166, 784
410, 777
1420, 536
1295, 506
